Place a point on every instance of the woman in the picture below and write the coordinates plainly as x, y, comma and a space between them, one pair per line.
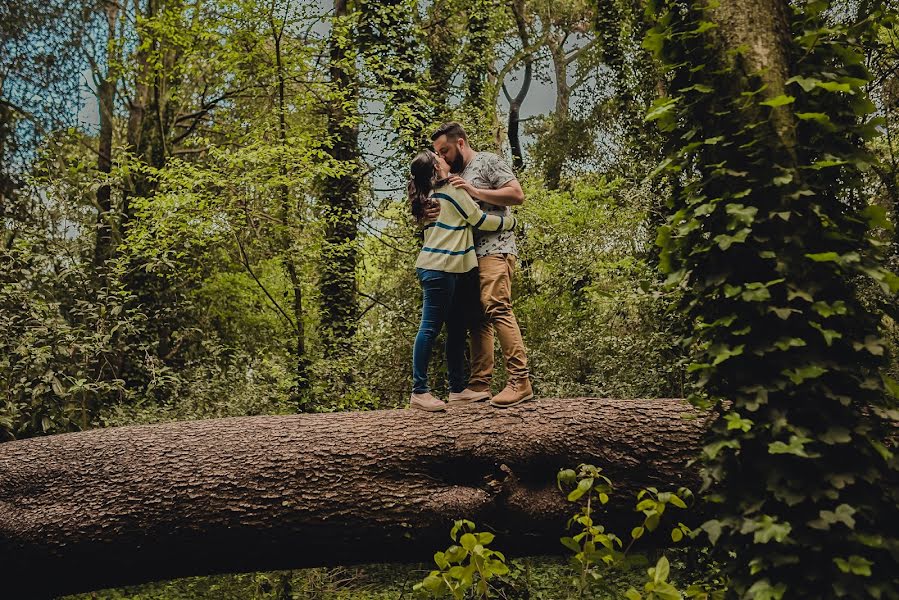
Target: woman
447, 269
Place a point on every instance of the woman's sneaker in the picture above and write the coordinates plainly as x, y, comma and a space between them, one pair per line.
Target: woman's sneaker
466, 396
427, 402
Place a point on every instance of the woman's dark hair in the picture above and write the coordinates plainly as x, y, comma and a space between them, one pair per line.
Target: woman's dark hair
423, 181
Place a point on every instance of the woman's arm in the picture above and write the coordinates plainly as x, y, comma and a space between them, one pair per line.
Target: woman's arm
477, 218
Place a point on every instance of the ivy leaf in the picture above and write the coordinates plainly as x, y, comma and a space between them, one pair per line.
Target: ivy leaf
722, 352
763, 590
741, 213
824, 256
876, 216
872, 344
735, 421
800, 374
806, 83
833, 86
829, 334
713, 529
766, 529
785, 343
712, 450
796, 447
842, 514
854, 564
781, 100
836, 435
725, 241
822, 119
828, 310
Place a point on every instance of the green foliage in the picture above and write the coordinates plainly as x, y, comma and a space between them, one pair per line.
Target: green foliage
769, 238
467, 564
597, 551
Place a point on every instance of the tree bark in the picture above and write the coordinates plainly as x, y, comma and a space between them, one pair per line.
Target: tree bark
515, 102
118, 506
301, 361
339, 303
106, 95
762, 28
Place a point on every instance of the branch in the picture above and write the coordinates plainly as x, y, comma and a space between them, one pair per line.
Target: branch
576, 53
246, 264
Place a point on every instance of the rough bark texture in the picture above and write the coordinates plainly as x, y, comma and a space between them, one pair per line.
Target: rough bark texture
119, 506
106, 95
339, 304
763, 28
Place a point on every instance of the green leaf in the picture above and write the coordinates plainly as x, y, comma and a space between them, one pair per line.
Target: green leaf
633, 594
842, 514
824, 257
787, 343
676, 535
795, 447
662, 570
806, 83
856, 565
829, 334
766, 529
582, 488
570, 544
712, 450
876, 216
836, 435
468, 541
872, 344
800, 374
781, 100
713, 529
734, 421
833, 86
485, 538
722, 352
820, 118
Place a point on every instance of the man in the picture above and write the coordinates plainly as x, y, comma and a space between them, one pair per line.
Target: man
488, 179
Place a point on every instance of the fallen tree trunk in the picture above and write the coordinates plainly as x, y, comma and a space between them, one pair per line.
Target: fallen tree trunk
118, 506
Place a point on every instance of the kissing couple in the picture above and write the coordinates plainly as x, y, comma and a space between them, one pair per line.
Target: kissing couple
462, 199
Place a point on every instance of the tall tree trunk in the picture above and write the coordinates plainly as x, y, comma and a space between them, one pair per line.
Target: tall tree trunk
516, 101
442, 52
762, 29
105, 244
555, 163
301, 362
392, 49
119, 506
341, 210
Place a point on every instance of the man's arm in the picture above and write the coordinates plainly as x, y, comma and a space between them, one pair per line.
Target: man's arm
509, 194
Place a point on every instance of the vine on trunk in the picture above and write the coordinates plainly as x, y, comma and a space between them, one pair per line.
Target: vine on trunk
770, 238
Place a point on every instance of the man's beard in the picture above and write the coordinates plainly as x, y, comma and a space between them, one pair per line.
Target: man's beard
458, 164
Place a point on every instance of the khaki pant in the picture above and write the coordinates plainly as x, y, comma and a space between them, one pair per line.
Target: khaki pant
496, 302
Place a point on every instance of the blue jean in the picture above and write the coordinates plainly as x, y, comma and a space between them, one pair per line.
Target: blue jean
447, 298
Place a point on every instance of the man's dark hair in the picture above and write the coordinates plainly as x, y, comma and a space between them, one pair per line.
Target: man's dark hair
452, 130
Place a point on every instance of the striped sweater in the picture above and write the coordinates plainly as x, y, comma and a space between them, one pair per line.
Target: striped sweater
449, 243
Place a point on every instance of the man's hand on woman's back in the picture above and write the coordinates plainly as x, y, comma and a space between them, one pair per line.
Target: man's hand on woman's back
432, 211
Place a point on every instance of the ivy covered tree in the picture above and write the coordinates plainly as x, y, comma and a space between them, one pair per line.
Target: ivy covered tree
770, 236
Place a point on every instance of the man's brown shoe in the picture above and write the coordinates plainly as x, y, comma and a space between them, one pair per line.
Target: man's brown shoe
467, 396
427, 402
515, 392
